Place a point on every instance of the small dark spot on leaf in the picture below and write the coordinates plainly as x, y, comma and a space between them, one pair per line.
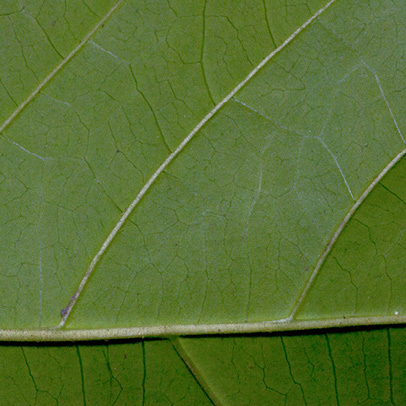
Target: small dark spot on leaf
125, 356
118, 151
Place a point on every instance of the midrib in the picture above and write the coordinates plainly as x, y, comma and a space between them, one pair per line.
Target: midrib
54, 334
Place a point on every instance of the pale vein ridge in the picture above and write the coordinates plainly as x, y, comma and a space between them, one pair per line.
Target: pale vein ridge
58, 68
25, 149
337, 233
389, 108
254, 110
67, 310
106, 51
338, 166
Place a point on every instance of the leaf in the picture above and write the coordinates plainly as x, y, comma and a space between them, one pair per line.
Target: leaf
366, 367
170, 168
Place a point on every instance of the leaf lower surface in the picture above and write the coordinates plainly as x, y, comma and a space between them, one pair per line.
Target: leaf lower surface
288, 204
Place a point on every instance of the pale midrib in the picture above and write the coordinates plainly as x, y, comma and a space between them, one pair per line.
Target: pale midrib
53, 334
67, 310
21, 107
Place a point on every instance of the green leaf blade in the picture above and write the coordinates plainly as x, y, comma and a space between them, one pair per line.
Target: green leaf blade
217, 167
